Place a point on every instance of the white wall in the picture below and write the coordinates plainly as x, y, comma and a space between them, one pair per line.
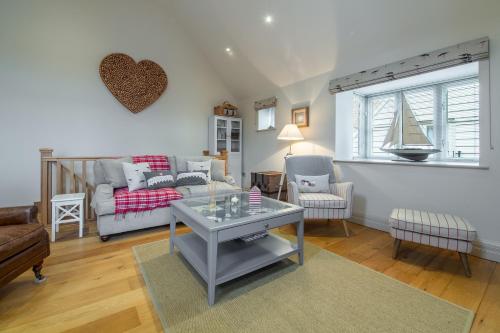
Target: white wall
51, 94
473, 194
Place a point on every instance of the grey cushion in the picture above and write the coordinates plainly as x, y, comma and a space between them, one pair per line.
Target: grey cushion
185, 178
218, 170
103, 201
113, 171
159, 179
202, 190
309, 165
99, 177
173, 164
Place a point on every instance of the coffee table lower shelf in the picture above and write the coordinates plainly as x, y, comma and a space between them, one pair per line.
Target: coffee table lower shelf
234, 258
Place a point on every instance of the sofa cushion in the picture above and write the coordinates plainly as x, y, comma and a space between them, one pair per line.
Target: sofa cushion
99, 177
218, 170
103, 201
321, 200
155, 162
134, 173
191, 191
16, 238
203, 166
181, 161
313, 184
113, 171
173, 164
191, 178
159, 179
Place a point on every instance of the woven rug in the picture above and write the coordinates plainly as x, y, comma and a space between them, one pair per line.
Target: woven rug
327, 294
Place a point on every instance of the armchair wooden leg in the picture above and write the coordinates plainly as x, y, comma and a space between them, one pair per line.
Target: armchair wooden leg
346, 230
37, 269
465, 262
395, 249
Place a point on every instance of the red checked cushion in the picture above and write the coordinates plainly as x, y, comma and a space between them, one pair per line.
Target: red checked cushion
156, 162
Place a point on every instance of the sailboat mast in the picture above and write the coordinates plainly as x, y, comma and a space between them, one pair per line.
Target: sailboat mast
399, 110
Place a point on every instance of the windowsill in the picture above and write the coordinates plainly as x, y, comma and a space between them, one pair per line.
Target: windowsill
436, 164
266, 129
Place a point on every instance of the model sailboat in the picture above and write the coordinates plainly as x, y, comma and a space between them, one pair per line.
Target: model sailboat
405, 137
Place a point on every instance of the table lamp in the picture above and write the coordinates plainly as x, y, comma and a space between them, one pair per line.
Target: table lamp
289, 133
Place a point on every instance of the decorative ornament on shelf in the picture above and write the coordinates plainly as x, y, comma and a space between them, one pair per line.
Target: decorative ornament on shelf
135, 85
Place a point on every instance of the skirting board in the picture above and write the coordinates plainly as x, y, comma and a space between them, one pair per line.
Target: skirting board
482, 248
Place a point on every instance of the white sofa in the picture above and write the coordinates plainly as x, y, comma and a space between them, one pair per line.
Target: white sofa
103, 201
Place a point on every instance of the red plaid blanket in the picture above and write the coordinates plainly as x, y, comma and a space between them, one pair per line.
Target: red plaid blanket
143, 200
156, 162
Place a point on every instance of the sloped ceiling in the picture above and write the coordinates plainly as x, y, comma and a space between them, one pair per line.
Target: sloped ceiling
311, 37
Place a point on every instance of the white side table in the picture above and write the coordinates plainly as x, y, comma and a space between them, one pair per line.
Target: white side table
67, 208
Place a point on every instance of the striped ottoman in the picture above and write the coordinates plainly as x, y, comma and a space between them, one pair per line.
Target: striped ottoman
440, 230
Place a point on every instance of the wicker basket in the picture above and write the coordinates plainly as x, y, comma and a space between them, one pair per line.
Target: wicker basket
226, 109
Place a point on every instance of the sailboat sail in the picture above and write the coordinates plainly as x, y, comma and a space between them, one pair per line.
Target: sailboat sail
411, 132
392, 137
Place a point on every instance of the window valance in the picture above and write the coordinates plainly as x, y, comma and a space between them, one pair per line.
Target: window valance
470, 51
266, 103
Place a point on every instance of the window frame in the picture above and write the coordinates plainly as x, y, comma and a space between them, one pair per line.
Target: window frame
440, 121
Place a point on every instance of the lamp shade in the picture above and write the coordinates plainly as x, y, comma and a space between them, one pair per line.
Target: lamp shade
290, 133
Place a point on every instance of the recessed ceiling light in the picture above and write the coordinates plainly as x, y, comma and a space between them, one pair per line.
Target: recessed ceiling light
228, 49
268, 19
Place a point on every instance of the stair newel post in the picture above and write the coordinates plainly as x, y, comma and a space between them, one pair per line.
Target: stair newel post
45, 184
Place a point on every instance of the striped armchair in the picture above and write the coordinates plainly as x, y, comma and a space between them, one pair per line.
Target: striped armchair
337, 204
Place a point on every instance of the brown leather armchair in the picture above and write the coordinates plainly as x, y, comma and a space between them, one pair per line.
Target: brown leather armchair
24, 243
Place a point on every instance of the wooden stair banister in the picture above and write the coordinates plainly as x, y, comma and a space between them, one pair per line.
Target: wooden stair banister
66, 180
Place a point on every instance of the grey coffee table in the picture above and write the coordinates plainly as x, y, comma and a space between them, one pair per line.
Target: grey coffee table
214, 248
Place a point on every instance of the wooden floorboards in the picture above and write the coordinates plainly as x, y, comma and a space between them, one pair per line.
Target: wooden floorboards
97, 287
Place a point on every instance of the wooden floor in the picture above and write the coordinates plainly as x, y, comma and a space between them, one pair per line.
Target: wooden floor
96, 287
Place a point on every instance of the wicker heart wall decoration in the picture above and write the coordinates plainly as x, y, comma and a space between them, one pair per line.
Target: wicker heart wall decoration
135, 85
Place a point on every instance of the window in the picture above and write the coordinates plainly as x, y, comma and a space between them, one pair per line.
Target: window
462, 119
265, 119
447, 113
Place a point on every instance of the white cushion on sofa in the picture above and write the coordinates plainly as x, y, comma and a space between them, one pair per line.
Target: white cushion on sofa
200, 166
134, 173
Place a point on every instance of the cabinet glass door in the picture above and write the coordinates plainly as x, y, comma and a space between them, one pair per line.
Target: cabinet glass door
221, 135
235, 136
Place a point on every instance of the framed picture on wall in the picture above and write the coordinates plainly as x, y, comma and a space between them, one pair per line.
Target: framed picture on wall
300, 116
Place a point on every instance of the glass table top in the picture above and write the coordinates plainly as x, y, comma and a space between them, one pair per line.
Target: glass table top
232, 207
